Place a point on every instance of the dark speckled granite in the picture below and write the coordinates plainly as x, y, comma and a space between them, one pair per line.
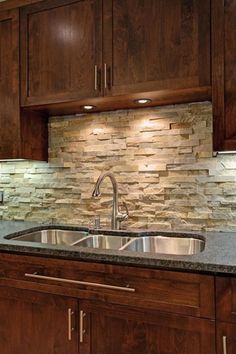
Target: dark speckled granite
219, 255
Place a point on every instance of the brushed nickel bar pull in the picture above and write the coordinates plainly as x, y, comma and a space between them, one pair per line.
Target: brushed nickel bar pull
79, 282
105, 76
95, 77
70, 328
224, 339
81, 326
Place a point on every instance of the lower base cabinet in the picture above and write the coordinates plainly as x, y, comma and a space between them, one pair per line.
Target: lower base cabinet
53, 306
226, 338
122, 330
37, 323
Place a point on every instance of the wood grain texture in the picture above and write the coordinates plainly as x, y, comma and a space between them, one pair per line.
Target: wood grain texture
154, 45
10, 138
13, 4
223, 74
61, 44
229, 331
122, 330
23, 135
188, 294
34, 135
230, 67
226, 299
35, 323
111, 103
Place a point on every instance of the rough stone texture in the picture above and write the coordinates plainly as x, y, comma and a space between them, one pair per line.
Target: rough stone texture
162, 159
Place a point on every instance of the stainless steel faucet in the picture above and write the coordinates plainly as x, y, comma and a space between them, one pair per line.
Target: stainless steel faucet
117, 216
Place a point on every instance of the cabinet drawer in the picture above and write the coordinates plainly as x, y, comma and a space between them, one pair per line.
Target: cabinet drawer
226, 299
189, 294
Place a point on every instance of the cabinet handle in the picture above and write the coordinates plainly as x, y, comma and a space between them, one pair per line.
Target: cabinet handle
95, 77
105, 76
82, 314
224, 339
79, 282
70, 327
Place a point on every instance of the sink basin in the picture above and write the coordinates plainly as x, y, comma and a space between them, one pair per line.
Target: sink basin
54, 237
166, 245
104, 242
151, 244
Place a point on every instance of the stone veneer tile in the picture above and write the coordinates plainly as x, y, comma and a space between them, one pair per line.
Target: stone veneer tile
161, 156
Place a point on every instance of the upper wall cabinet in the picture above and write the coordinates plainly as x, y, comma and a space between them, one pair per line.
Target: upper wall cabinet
110, 53
61, 51
154, 45
224, 74
23, 135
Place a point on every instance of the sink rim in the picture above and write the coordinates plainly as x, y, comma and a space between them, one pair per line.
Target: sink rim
90, 233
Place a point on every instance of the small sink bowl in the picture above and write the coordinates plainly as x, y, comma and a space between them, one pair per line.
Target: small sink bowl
104, 242
166, 245
53, 237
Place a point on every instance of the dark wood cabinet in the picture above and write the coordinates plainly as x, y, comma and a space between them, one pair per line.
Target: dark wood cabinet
223, 74
226, 338
23, 135
120, 310
36, 323
109, 53
61, 51
122, 330
226, 314
226, 299
155, 45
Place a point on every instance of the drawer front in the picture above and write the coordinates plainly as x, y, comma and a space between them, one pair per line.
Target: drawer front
189, 294
226, 299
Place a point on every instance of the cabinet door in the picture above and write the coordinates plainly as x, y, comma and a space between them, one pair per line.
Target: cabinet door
226, 338
61, 51
9, 85
120, 330
36, 323
153, 45
223, 74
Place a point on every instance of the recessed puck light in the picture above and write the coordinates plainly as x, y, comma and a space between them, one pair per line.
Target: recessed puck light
143, 101
88, 107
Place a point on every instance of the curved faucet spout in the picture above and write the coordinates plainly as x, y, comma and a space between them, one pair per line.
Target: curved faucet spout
96, 191
117, 217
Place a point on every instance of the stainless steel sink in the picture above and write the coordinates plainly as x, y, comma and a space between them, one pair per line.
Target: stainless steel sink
104, 242
166, 245
151, 244
54, 237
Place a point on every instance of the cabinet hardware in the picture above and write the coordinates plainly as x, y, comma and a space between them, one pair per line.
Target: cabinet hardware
224, 339
82, 314
70, 327
79, 282
95, 77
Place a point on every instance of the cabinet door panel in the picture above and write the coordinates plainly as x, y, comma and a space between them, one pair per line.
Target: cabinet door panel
9, 85
223, 74
60, 49
35, 323
127, 331
152, 45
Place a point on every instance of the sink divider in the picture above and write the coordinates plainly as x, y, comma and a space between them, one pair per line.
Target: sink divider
127, 243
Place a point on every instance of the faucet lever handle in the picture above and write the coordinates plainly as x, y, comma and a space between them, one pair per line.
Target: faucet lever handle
126, 214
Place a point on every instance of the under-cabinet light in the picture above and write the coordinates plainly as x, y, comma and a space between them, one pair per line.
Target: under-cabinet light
88, 107
143, 101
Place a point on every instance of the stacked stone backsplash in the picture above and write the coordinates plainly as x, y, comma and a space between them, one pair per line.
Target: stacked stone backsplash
161, 157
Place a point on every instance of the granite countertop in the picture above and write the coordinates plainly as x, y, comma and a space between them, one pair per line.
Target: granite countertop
219, 255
